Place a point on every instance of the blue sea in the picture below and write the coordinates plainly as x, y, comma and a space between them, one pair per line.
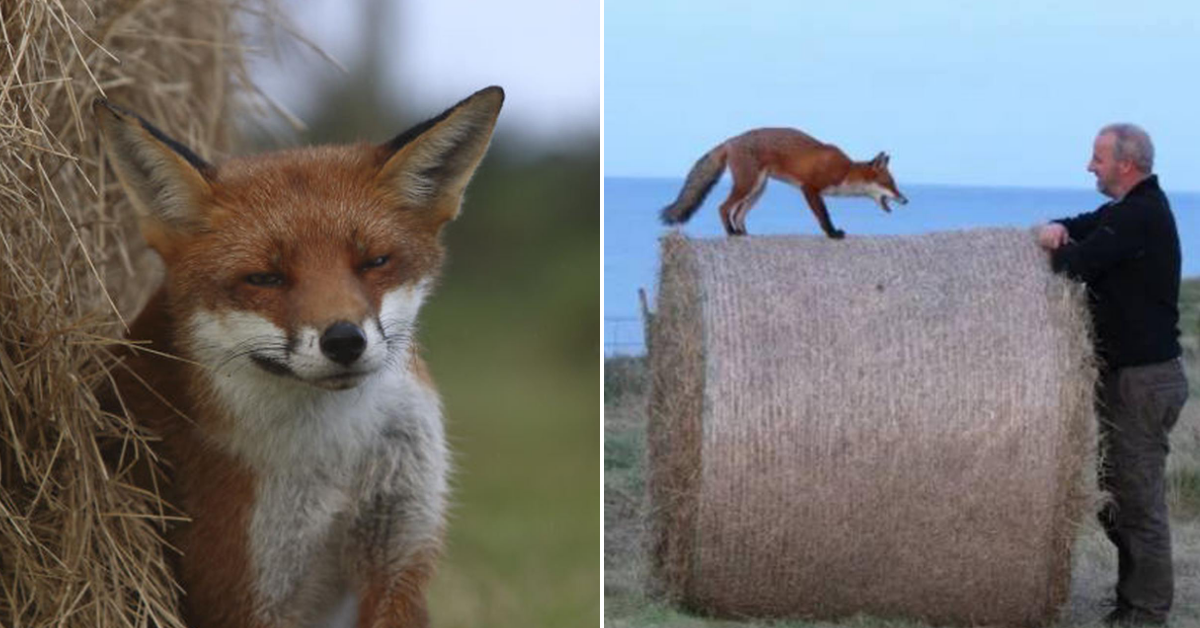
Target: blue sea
632, 228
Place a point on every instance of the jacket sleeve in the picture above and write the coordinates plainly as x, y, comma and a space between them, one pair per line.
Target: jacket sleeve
1081, 226
1119, 237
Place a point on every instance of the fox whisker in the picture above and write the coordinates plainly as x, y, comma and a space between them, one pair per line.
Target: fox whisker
251, 346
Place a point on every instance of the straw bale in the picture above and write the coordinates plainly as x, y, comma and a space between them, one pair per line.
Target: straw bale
79, 542
901, 426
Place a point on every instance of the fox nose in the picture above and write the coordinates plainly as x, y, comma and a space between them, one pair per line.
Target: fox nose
343, 342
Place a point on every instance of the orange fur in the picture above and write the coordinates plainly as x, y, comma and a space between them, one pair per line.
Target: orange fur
398, 599
211, 487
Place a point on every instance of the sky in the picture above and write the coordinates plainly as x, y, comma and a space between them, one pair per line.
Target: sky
965, 93
545, 53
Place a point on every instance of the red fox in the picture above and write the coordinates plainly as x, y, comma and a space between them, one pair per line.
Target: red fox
280, 369
788, 155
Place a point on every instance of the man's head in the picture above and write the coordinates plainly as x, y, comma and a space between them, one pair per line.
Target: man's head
1122, 155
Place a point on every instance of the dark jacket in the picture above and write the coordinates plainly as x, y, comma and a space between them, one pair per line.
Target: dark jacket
1127, 252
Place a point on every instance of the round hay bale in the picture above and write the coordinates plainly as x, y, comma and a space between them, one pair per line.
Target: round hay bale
79, 540
896, 426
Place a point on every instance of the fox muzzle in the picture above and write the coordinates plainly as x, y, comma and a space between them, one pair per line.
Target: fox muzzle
343, 342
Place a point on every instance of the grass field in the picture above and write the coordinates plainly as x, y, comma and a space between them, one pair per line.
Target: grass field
1094, 571
510, 337
523, 536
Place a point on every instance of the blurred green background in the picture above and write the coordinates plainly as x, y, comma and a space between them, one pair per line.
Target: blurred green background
512, 333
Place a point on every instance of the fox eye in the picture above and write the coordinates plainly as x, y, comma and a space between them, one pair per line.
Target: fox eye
374, 262
266, 280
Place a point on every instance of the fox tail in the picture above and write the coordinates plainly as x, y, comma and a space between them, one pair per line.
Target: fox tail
700, 180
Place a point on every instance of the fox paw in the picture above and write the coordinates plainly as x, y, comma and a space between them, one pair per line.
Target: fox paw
836, 234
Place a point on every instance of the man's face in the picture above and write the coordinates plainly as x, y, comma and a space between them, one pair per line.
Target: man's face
1104, 165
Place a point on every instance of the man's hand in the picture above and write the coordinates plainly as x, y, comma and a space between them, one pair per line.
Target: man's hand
1052, 235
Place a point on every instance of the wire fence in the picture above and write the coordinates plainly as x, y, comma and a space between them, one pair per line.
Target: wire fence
623, 335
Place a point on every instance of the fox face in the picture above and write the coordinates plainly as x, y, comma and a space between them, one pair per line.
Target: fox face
303, 280
873, 180
882, 186
305, 267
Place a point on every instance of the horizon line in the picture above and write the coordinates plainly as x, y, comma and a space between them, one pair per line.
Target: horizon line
932, 184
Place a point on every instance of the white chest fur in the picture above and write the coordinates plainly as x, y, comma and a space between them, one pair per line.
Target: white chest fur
344, 478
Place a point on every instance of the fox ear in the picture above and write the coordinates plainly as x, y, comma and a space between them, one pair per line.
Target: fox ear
165, 180
428, 166
881, 161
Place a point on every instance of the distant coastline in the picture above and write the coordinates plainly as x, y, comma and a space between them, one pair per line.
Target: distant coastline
923, 184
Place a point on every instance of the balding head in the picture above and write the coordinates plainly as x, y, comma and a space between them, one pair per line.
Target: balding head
1132, 144
1122, 155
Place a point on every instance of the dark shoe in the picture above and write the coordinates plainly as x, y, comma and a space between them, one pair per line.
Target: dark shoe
1126, 616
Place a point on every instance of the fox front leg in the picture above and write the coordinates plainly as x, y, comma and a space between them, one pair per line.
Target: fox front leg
395, 598
817, 205
400, 524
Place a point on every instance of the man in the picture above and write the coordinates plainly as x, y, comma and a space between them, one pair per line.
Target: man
1127, 252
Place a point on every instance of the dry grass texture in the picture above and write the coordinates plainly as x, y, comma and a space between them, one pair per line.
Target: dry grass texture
79, 545
898, 426
672, 443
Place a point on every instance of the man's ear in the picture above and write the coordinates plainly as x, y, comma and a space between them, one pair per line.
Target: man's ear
427, 167
166, 182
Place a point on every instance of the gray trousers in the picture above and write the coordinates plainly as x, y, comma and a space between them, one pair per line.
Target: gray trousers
1138, 407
